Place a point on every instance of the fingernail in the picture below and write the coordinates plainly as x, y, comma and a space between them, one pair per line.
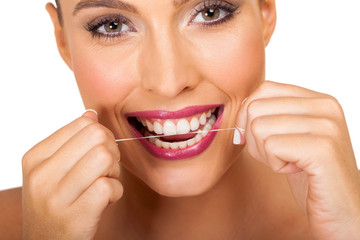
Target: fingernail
91, 110
237, 137
90, 114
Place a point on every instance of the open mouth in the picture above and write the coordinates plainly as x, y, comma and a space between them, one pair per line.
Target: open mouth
182, 134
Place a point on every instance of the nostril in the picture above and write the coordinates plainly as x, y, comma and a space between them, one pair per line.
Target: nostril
187, 89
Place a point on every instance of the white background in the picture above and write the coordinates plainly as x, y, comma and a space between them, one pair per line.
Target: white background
316, 45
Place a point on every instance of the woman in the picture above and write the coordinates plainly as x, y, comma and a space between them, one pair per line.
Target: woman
177, 67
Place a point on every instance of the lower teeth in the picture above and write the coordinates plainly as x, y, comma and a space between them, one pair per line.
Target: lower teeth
184, 144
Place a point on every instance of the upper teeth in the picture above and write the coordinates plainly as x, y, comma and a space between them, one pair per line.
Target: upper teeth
182, 126
194, 124
185, 143
169, 128
178, 126
202, 119
158, 129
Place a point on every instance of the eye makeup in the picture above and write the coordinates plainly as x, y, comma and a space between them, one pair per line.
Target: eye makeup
110, 27
209, 8
206, 14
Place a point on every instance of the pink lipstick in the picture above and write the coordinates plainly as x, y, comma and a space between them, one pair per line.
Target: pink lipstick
186, 122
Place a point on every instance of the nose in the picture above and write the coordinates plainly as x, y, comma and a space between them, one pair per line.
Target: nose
166, 64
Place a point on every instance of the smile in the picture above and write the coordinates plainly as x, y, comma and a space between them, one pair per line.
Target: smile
179, 138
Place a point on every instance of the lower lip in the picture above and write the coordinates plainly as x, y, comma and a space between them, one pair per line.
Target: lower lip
170, 154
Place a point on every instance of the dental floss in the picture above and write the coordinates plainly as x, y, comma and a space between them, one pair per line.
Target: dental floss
157, 136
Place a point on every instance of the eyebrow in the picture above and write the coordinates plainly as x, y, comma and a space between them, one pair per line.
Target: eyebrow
116, 4
178, 3
83, 4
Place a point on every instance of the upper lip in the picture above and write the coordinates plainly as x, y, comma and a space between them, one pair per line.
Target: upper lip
163, 114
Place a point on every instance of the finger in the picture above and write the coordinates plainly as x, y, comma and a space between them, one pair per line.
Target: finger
264, 126
313, 157
317, 107
98, 162
77, 146
326, 109
98, 196
51, 144
321, 158
271, 90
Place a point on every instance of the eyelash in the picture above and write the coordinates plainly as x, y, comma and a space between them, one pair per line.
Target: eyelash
218, 4
93, 26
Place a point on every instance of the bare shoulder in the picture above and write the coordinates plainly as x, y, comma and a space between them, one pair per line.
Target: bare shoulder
11, 214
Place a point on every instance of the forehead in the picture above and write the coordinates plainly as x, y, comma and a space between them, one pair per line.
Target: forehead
133, 6
176, 3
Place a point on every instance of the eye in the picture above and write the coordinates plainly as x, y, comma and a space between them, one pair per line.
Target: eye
210, 15
212, 12
112, 26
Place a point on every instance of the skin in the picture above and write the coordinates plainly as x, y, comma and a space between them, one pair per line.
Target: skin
295, 178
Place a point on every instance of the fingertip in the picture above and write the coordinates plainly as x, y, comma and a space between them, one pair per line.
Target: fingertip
91, 113
239, 136
118, 192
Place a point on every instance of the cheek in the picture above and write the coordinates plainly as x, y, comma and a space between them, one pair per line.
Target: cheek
237, 62
103, 78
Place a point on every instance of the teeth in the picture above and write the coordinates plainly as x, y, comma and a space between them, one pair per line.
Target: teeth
202, 119
194, 124
212, 120
198, 137
152, 140
208, 114
204, 132
165, 145
158, 142
174, 145
208, 126
169, 128
183, 127
178, 145
149, 126
183, 144
158, 129
191, 142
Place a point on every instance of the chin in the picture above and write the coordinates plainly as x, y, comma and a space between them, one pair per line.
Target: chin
183, 183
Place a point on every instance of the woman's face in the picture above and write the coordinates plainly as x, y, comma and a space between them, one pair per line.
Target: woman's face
178, 67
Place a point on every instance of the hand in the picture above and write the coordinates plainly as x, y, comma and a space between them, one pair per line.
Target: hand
69, 179
303, 134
